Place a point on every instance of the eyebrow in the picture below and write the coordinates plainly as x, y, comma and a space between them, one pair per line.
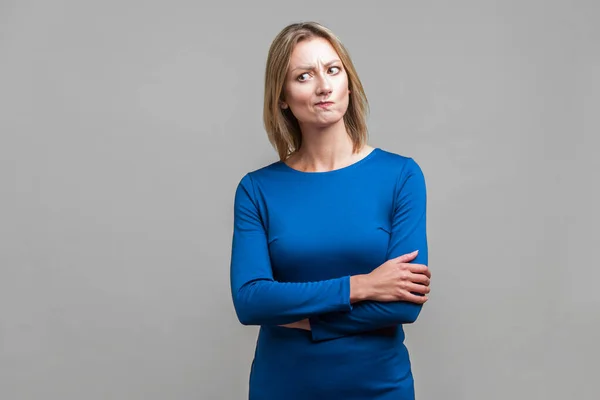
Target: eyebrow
312, 66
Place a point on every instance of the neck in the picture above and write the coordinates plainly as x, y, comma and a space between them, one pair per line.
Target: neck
325, 149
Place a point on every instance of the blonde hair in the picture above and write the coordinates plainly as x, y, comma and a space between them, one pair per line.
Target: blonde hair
282, 127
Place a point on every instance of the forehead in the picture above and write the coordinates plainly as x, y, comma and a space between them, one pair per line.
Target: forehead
311, 51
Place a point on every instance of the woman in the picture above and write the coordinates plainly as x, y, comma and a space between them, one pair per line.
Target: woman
329, 246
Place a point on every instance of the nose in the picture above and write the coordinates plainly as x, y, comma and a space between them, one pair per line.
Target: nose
324, 87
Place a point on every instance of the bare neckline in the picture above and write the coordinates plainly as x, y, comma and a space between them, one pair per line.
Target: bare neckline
354, 164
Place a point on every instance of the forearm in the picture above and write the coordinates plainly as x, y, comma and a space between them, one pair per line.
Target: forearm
359, 291
267, 302
367, 315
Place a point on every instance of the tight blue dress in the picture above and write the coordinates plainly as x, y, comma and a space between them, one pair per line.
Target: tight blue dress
297, 239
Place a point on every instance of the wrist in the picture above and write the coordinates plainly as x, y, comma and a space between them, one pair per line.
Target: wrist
359, 288
306, 325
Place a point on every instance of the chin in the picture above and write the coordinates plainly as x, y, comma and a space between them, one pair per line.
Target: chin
323, 123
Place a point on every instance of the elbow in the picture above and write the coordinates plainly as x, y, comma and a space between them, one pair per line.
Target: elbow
411, 318
246, 316
245, 310
410, 315
246, 319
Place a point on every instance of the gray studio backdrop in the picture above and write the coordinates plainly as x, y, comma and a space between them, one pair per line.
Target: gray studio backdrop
125, 127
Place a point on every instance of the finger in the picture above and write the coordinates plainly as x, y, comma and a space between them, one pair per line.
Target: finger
413, 298
407, 257
419, 269
420, 279
418, 289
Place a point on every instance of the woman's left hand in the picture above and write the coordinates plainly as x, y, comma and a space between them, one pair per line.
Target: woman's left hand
304, 324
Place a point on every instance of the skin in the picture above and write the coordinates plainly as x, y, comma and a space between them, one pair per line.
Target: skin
316, 74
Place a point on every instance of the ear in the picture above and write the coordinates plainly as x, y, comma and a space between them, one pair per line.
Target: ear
283, 105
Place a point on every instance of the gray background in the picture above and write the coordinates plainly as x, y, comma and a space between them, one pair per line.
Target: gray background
126, 126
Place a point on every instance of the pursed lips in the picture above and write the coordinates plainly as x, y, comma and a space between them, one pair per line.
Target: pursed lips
324, 103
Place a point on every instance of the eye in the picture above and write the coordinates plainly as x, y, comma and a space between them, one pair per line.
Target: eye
335, 69
303, 77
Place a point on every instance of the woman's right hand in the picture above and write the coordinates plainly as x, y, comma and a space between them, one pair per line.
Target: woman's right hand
395, 280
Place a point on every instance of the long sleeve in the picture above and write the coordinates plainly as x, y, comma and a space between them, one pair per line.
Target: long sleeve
259, 299
408, 233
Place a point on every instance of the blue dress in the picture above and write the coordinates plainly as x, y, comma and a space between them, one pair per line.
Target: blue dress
297, 239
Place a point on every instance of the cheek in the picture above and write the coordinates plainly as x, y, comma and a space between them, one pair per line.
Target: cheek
342, 86
300, 95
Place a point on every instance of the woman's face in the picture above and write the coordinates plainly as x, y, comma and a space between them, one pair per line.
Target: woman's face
316, 85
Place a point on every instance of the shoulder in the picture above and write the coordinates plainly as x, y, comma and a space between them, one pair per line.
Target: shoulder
407, 179
407, 174
399, 164
260, 176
